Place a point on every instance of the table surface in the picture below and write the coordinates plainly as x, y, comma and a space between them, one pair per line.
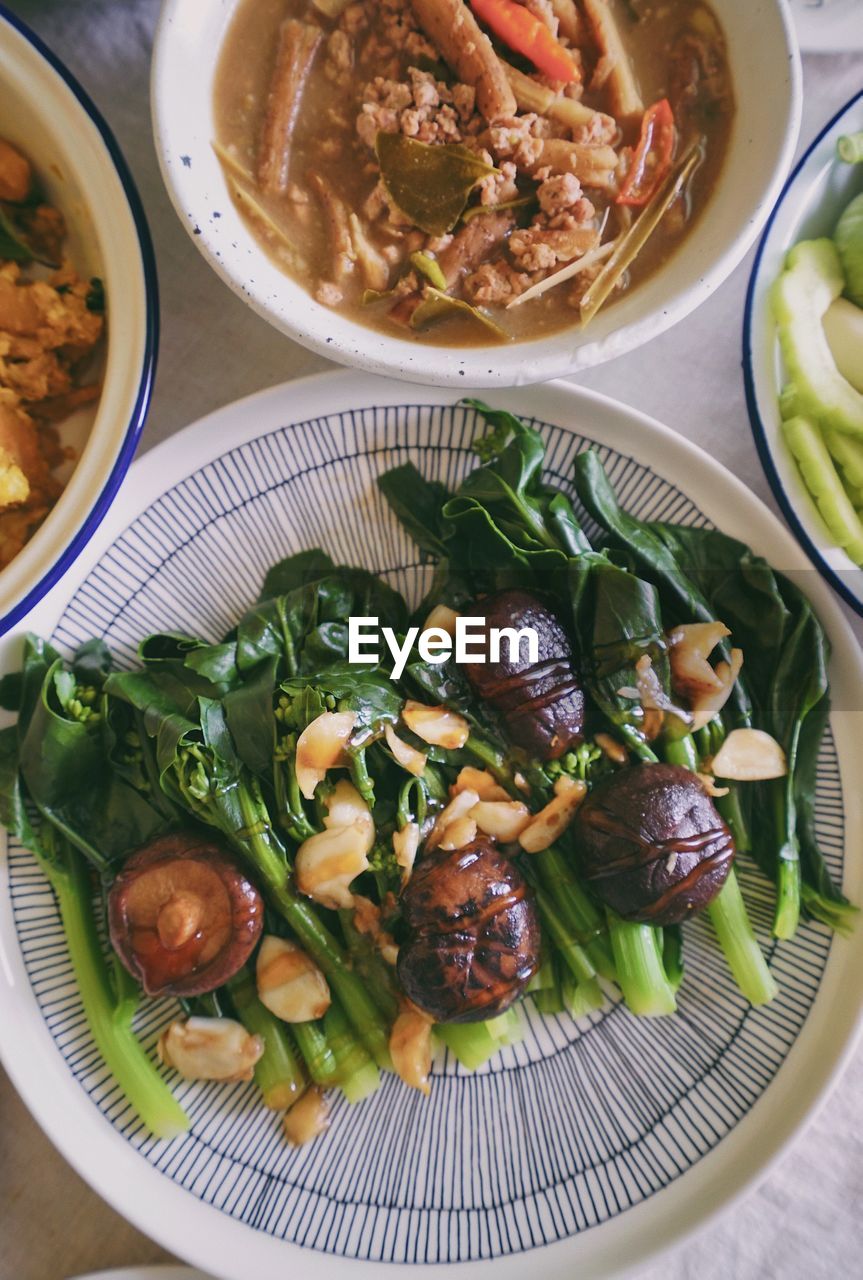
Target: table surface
804, 1221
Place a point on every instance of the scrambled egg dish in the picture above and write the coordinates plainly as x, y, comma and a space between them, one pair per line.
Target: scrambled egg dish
50, 321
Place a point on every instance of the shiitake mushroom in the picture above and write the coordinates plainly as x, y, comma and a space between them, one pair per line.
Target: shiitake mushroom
473, 936
182, 916
541, 704
651, 843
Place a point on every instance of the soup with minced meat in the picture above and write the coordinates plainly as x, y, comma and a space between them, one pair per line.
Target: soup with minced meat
471, 172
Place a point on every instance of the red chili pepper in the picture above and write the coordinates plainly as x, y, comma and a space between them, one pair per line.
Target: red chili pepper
528, 35
652, 159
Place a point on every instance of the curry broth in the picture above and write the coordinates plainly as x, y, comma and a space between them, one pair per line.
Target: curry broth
325, 140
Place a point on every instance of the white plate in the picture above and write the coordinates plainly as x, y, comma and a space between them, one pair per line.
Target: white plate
816, 193
593, 1145
828, 26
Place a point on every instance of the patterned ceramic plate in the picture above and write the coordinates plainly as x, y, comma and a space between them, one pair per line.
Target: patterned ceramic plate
585, 1148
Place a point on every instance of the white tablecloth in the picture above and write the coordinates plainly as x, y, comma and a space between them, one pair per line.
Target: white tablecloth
805, 1220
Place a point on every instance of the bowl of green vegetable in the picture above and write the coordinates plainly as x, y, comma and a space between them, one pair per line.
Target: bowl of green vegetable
803, 351
424, 961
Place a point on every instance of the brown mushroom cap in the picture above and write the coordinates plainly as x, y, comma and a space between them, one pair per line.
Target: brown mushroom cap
474, 937
183, 917
541, 705
652, 844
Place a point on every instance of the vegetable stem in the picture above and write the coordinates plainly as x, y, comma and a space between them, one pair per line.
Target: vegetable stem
358, 1075
261, 845
729, 918
110, 1023
580, 998
278, 1073
570, 952
583, 917
640, 972
319, 1058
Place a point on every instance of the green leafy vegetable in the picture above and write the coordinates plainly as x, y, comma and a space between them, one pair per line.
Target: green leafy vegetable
429, 184
437, 306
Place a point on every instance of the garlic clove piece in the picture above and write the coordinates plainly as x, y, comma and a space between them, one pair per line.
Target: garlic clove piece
210, 1049
706, 706
321, 746
690, 646
501, 819
289, 982
308, 1117
410, 1049
458, 833
346, 807
437, 726
405, 755
480, 781
405, 845
749, 755
459, 807
550, 823
329, 861
443, 618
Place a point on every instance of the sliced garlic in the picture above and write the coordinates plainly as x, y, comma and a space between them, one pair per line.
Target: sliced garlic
438, 726
501, 819
459, 807
410, 1049
480, 781
406, 755
690, 646
346, 808
550, 823
442, 617
458, 834
328, 862
405, 845
610, 747
708, 705
308, 1117
321, 746
289, 982
210, 1049
749, 755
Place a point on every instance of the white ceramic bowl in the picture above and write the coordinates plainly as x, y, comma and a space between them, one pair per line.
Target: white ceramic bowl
814, 197
48, 114
763, 53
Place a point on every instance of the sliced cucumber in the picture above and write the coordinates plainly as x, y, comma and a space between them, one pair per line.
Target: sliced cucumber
811, 281
822, 480
847, 451
843, 326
